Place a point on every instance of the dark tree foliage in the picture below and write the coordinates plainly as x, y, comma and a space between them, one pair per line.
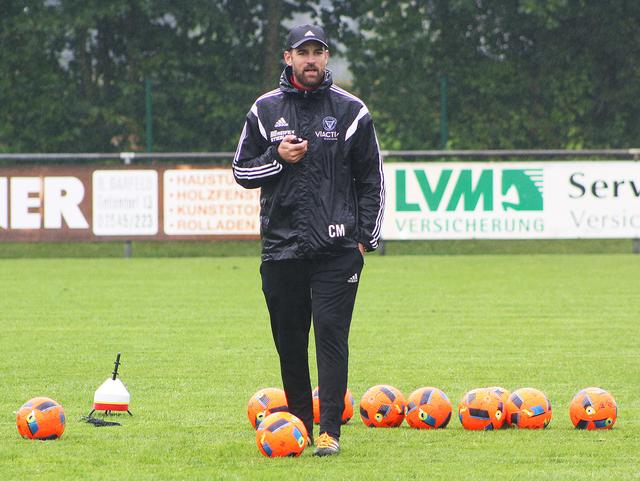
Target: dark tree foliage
521, 73
72, 72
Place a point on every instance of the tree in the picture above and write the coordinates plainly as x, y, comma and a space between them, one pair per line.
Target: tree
29, 81
525, 74
72, 72
521, 73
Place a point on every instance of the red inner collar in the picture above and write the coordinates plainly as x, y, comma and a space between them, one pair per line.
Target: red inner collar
293, 81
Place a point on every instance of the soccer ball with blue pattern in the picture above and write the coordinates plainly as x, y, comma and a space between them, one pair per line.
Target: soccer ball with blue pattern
382, 406
264, 402
481, 409
528, 408
40, 418
428, 408
281, 434
593, 408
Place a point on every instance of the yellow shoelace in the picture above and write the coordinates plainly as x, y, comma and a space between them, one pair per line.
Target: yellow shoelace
325, 441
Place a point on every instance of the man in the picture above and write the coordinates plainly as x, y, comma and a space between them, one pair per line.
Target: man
312, 149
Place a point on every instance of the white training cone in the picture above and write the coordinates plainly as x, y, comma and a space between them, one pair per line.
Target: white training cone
112, 395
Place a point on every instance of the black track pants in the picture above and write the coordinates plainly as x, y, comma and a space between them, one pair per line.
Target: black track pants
297, 291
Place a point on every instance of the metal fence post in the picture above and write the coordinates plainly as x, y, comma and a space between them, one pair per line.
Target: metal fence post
635, 242
444, 127
127, 158
148, 115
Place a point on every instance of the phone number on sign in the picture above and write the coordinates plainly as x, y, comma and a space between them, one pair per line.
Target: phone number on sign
124, 221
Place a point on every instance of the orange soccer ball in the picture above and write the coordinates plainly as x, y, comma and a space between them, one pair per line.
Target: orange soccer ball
347, 412
40, 418
428, 408
382, 406
264, 402
481, 409
281, 434
593, 408
528, 408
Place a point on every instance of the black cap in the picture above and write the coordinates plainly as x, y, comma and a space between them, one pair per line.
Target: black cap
305, 33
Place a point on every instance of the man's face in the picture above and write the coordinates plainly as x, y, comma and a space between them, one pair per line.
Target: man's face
309, 62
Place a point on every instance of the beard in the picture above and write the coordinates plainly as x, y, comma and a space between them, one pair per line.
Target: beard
309, 77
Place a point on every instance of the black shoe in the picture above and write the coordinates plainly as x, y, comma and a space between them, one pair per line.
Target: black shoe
326, 446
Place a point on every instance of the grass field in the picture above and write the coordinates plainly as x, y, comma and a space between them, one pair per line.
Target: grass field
196, 345
31, 250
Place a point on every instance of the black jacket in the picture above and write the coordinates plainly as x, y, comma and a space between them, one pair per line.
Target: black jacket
333, 197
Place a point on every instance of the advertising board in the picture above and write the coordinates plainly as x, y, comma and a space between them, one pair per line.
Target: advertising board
434, 200
512, 200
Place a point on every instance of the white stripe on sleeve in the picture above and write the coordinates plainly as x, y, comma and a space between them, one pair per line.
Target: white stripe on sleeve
254, 110
354, 125
258, 172
242, 136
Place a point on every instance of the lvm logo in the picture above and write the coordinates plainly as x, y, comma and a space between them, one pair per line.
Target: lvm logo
514, 189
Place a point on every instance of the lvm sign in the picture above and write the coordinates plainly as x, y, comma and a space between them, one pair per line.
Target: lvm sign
518, 200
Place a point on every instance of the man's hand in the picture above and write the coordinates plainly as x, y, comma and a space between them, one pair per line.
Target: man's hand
292, 152
361, 248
